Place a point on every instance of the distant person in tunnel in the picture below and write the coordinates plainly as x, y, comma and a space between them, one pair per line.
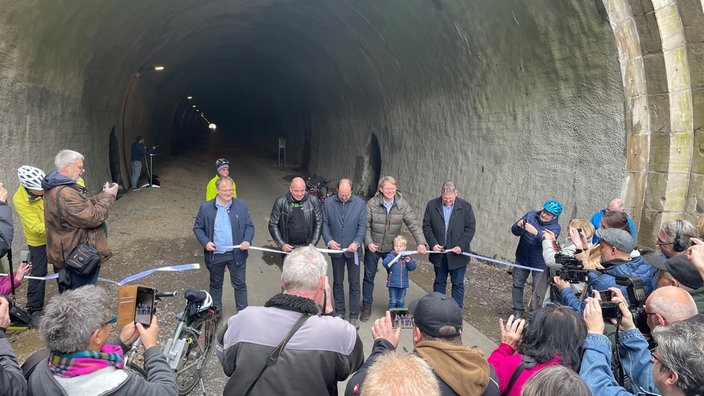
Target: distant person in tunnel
386, 213
297, 218
138, 152
449, 223
529, 252
222, 223
615, 205
72, 218
222, 169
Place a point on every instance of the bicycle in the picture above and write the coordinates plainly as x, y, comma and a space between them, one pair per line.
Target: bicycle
317, 187
188, 348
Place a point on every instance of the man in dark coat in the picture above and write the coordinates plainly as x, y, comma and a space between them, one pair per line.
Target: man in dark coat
449, 224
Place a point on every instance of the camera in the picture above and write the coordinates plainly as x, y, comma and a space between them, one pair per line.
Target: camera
610, 310
144, 307
400, 317
572, 270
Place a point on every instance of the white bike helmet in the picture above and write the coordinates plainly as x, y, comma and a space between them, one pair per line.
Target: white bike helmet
31, 177
207, 303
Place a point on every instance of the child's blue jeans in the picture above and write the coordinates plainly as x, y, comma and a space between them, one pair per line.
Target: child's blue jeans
397, 295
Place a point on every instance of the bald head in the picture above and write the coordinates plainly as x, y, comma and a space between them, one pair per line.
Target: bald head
615, 205
344, 190
297, 188
669, 304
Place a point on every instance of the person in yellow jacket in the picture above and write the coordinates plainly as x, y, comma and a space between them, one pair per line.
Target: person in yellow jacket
222, 168
29, 204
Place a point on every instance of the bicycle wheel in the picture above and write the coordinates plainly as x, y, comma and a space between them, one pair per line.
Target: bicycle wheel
198, 337
137, 370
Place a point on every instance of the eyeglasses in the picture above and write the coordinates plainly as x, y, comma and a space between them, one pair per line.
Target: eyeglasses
660, 243
655, 358
113, 320
227, 191
649, 313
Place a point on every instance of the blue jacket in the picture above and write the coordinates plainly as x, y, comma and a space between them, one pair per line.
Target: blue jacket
138, 151
345, 230
596, 222
596, 363
242, 227
529, 252
398, 272
606, 278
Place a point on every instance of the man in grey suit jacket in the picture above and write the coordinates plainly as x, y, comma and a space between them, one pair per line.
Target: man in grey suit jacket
344, 226
449, 223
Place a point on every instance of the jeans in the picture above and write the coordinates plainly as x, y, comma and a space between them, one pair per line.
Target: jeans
36, 288
238, 273
371, 264
397, 295
338, 285
136, 172
520, 276
456, 277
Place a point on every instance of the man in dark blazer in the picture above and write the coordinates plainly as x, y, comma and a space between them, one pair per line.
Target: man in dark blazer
344, 226
449, 224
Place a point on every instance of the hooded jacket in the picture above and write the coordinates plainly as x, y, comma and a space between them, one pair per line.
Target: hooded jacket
529, 252
384, 227
30, 208
81, 221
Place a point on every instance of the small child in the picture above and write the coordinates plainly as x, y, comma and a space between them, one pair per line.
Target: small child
6, 287
397, 280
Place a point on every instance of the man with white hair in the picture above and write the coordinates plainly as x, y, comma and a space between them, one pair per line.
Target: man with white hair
292, 345
72, 218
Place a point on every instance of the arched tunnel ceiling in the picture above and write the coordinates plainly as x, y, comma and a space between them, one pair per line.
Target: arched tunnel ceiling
518, 101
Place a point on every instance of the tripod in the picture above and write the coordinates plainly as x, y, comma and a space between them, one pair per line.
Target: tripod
150, 168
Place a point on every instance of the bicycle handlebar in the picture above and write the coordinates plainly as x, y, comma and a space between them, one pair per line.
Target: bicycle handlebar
165, 294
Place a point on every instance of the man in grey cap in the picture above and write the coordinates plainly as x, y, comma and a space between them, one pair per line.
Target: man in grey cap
678, 271
437, 338
615, 247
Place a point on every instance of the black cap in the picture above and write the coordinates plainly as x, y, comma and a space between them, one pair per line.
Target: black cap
434, 311
680, 268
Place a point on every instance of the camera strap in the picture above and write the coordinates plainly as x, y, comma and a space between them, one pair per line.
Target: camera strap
274, 356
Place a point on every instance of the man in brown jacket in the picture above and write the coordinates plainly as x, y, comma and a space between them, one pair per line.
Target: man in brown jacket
81, 217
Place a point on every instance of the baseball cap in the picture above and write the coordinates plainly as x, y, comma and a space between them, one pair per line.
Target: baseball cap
434, 311
680, 268
618, 238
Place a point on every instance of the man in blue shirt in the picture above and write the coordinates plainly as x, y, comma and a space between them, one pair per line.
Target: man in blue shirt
615, 205
221, 224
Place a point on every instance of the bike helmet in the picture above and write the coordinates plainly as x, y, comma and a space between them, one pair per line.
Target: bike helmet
553, 207
31, 177
221, 164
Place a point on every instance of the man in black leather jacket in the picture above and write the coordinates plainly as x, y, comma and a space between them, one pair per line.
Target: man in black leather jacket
296, 218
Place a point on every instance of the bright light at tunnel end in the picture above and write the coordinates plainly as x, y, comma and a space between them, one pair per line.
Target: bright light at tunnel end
159, 68
212, 127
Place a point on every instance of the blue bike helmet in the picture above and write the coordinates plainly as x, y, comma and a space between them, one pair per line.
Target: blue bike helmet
553, 207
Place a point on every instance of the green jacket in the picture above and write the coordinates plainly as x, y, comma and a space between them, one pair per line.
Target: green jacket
211, 191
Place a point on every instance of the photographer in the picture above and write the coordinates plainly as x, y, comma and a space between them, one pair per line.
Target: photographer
615, 247
84, 359
11, 380
679, 356
580, 232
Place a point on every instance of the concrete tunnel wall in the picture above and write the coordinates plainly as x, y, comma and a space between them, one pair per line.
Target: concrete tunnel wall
517, 101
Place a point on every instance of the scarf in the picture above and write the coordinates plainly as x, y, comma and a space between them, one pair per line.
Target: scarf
85, 362
290, 302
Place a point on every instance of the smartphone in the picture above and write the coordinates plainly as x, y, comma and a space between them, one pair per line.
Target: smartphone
25, 257
400, 317
606, 295
144, 306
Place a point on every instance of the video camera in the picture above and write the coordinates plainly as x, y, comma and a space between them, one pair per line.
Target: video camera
572, 270
636, 296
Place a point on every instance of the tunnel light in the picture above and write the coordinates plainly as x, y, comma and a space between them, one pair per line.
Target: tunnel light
159, 68
212, 127
194, 106
189, 97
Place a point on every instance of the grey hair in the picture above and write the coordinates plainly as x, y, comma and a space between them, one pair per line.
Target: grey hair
66, 157
220, 179
303, 269
448, 188
617, 203
687, 231
71, 317
681, 349
385, 179
400, 374
554, 381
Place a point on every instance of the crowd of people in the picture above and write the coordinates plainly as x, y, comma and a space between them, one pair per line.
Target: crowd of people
305, 339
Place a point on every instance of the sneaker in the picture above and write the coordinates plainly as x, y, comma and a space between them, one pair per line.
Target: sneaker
355, 322
35, 319
366, 313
